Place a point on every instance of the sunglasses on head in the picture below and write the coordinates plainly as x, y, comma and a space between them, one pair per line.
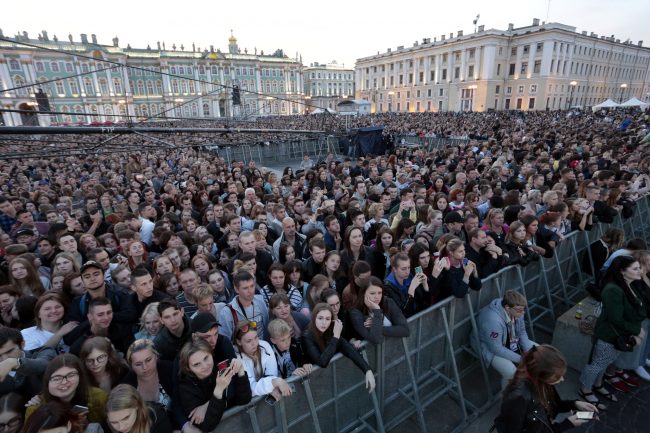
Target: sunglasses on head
250, 326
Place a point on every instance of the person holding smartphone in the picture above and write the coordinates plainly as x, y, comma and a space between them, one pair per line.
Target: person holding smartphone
531, 402
202, 389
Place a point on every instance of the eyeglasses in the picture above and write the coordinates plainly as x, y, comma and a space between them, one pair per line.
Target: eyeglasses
12, 423
68, 377
99, 360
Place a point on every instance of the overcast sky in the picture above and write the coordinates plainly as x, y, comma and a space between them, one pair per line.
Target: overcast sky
322, 31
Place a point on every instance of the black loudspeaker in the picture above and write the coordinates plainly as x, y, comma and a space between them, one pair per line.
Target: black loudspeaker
42, 101
236, 96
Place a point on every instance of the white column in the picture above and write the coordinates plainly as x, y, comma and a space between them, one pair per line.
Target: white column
477, 63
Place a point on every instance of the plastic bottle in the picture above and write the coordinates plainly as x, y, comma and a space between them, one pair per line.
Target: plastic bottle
579, 311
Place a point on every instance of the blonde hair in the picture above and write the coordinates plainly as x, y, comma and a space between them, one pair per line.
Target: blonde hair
202, 291
127, 397
138, 345
278, 328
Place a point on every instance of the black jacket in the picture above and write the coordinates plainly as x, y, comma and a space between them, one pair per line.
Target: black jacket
123, 308
522, 412
193, 392
377, 332
168, 345
334, 345
28, 378
450, 282
604, 213
119, 334
515, 258
486, 265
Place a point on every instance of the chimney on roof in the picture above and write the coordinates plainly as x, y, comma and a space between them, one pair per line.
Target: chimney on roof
535, 22
435, 40
442, 37
84, 38
511, 27
639, 44
388, 50
451, 35
460, 33
93, 38
481, 28
116, 41
584, 33
44, 33
618, 41
416, 43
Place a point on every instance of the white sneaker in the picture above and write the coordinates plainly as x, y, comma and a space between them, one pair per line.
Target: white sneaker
647, 362
643, 373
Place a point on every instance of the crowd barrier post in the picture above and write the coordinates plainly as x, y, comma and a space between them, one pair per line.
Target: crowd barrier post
252, 414
415, 400
373, 395
452, 363
312, 407
522, 288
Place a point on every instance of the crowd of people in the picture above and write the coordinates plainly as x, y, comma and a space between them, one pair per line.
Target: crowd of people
154, 290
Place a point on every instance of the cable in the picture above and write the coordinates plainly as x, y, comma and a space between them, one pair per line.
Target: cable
83, 56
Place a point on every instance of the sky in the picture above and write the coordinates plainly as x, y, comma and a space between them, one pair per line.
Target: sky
321, 32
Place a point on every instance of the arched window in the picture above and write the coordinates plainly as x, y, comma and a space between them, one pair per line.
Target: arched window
183, 86
74, 87
215, 70
206, 110
159, 87
186, 111
201, 70
181, 70
59, 87
173, 69
154, 110
145, 111
140, 85
14, 65
195, 109
149, 87
191, 86
117, 84
20, 81
54, 66
103, 86
174, 86
88, 86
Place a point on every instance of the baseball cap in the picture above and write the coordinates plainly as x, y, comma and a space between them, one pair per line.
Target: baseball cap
203, 322
91, 264
25, 230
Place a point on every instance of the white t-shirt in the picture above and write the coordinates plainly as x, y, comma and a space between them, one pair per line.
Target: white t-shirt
35, 337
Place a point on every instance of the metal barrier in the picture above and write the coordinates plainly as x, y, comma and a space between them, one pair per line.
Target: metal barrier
436, 363
430, 143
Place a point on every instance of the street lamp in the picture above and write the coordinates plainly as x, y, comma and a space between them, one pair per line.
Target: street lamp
573, 85
623, 87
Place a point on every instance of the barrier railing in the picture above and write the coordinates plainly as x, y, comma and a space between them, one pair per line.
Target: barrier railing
436, 363
429, 143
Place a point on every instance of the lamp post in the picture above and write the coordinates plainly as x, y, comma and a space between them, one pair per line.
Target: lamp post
573, 85
623, 87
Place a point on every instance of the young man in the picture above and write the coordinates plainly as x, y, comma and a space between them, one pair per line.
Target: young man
245, 306
314, 265
288, 351
407, 291
100, 323
502, 337
92, 276
142, 286
176, 329
21, 370
205, 327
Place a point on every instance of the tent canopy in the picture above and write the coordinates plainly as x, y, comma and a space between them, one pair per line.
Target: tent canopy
634, 102
323, 110
605, 104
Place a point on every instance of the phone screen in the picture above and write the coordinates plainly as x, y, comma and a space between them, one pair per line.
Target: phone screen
418, 269
222, 365
585, 415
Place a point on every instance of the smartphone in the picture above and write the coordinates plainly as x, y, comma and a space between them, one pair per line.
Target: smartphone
585, 415
418, 269
223, 365
465, 261
270, 400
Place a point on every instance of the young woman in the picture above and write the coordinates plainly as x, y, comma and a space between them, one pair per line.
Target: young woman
375, 316
65, 381
287, 253
361, 273
56, 283
531, 403
278, 284
581, 215
103, 365
452, 274
162, 265
494, 223
323, 340
54, 417
8, 297
150, 323
50, 328
280, 308
137, 254
537, 241
203, 385
518, 250
316, 286
11, 412
623, 311
151, 376
332, 270
24, 277
259, 362
202, 265
64, 263
126, 412
73, 286
218, 280
293, 273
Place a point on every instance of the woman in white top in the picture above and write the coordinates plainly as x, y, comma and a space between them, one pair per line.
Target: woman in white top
259, 361
49, 329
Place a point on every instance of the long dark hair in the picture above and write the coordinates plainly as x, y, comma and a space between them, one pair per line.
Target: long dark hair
71, 361
360, 303
322, 338
114, 366
614, 275
52, 415
541, 366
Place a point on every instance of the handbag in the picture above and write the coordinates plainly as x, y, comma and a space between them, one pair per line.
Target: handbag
623, 343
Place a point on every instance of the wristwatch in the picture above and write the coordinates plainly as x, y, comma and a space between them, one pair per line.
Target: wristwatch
19, 362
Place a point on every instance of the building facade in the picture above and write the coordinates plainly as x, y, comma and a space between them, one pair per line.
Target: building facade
537, 67
173, 82
327, 85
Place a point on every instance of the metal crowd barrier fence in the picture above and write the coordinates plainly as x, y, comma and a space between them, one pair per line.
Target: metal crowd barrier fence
436, 363
430, 143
